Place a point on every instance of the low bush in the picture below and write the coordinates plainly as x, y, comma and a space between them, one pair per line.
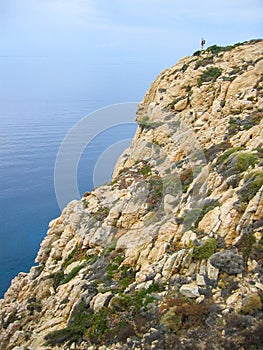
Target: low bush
251, 304
60, 278
252, 183
178, 313
205, 250
211, 74
10, 319
233, 162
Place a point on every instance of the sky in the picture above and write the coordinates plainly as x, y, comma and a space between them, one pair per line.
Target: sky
57, 46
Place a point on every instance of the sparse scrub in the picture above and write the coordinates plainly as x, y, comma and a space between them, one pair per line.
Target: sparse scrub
251, 304
60, 278
205, 250
101, 214
233, 162
179, 313
252, 184
211, 74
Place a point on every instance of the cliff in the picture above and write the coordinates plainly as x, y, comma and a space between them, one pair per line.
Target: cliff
169, 254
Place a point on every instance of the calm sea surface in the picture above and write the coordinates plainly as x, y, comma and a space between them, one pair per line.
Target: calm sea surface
30, 135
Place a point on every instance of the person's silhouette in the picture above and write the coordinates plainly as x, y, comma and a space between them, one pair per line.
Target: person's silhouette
202, 43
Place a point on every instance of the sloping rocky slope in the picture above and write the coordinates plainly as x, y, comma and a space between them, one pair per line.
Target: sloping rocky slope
169, 254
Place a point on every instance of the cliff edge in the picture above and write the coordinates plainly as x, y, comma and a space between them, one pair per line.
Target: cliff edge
169, 254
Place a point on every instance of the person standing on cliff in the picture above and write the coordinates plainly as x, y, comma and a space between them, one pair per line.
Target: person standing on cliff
202, 43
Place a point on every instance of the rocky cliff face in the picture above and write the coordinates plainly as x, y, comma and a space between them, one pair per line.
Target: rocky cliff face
169, 254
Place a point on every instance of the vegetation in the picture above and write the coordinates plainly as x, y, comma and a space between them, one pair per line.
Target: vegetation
204, 62
205, 250
186, 178
205, 209
251, 304
233, 162
180, 313
144, 122
155, 193
215, 49
33, 305
185, 66
11, 319
77, 254
146, 170
212, 152
252, 183
211, 74
223, 158
101, 214
124, 318
237, 124
60, 278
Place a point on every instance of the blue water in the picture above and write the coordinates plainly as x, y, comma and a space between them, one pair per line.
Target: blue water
30, 135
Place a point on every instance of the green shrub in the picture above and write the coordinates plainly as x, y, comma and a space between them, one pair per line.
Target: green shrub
144, 122
234, 125
34, 306
66, 335
99, 325
185, 66
215, 49
155, 192
253, 119
127, 277
186, 178
245, 160
204, 62
60, 278
170, 321
251, 304
79, 321
146, 170
221, 159
212, 152
236, 163
204, 251
211, 74
77, 254
197, 53
235, 71
73, 273
11, 319
252, 183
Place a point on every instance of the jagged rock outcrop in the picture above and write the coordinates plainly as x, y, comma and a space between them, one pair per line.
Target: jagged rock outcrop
169, 254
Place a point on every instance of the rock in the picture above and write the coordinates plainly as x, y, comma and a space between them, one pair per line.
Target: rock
212, 272
100, 300
190, 290
200, 280
228, 262
188, 237
235, 301
168, 203
181, 105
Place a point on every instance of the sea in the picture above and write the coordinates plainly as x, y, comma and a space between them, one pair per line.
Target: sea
32, 131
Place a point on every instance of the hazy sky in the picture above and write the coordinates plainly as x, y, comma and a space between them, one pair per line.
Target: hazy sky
44, 41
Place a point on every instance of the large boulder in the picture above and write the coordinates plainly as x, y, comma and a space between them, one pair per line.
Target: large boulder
228, 261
